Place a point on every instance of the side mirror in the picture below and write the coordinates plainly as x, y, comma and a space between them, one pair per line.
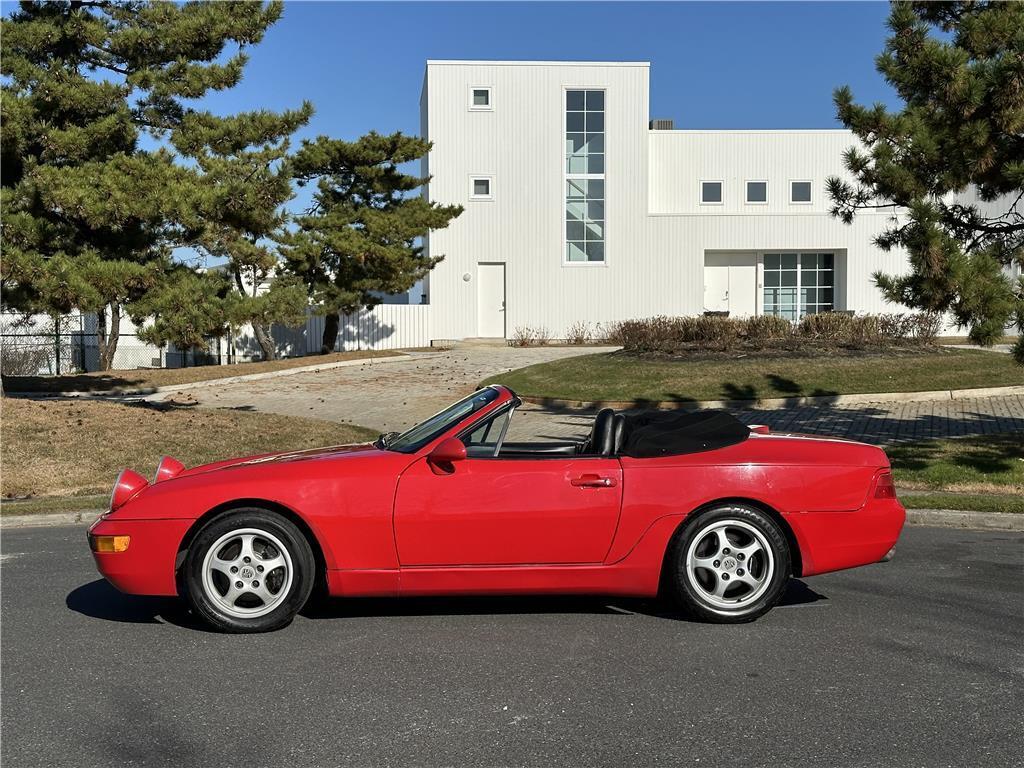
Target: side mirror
446, 453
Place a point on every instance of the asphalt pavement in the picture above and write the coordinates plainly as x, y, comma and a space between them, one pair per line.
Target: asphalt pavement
915, 662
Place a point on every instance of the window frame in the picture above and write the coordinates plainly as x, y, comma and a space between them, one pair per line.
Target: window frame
799, 269
810, 185
566, 176
721, 191
473, 196
746, 192
473, 107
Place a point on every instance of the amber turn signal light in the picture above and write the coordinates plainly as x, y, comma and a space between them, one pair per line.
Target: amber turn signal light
109, 543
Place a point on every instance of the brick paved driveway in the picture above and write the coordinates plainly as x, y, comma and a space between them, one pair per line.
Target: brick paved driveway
393, 396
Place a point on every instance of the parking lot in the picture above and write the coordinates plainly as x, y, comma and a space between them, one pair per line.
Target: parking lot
916, 662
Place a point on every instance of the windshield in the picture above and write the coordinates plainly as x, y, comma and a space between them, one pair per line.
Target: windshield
439, 423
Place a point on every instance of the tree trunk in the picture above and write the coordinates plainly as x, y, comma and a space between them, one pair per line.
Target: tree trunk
106, 341
265, 340
332, 324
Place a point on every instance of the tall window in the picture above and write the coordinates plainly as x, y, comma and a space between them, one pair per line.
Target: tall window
798, 284
584, 176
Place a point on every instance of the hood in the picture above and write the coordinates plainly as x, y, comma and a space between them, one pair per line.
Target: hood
284, 457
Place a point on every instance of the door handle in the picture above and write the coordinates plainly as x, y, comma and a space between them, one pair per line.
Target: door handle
593, 481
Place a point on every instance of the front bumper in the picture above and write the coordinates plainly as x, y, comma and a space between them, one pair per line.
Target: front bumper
146, 567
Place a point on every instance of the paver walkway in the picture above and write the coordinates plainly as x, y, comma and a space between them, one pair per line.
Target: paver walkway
393, 396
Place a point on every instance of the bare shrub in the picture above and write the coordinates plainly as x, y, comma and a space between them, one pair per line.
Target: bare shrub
608, 333
578, 333
25, 359
522, 336
829, 326
541, 336
926, 327
760, 329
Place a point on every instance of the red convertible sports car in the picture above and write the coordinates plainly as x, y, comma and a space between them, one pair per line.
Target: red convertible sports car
696, 506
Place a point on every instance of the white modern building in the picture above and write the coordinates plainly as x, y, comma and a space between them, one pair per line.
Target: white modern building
580, 208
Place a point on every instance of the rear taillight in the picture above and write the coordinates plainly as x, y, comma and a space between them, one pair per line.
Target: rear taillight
884, 488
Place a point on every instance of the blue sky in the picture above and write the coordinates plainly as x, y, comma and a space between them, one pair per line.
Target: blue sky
713, 65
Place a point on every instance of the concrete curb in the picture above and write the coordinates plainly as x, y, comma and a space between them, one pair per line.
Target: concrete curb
151, 391
979, 521
83, 517
781, 402
939, 518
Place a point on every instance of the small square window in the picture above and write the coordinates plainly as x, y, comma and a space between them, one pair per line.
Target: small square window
800, 191
757, 191
711, 192
480, 98
480, 188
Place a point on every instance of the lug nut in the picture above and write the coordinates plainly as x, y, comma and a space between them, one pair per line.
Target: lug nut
726, 551
739, 571
717, 563
234, 569
255, 583
259, 568
247, 559
725, 577
740, 555
239, 584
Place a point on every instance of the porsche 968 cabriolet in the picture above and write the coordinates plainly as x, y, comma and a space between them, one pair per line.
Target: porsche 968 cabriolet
693, 506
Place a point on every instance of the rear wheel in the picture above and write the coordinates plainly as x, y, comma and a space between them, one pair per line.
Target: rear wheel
730, 564
250, 570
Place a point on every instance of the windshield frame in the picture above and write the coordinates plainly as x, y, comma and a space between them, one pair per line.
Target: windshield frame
427, 431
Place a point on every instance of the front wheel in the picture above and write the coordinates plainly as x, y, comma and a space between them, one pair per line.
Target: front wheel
250, 570
730, 564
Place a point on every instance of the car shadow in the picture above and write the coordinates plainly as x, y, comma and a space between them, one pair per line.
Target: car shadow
99, 600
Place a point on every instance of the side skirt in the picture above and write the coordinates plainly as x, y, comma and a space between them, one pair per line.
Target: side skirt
638, 574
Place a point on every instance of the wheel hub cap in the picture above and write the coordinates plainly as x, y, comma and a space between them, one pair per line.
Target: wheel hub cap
729, 564
247, 573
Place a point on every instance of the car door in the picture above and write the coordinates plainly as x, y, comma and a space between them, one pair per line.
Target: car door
508, 511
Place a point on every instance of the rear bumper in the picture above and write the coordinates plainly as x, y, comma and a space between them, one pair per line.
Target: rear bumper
146, 567
831, 541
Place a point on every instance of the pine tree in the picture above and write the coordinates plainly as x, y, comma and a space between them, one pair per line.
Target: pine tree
959, 69
361, 238
247, 181
90, 216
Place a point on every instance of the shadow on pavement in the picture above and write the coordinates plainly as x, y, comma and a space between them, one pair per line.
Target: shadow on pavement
99, 600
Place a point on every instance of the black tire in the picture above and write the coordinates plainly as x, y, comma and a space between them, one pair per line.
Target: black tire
267, 530
770, 565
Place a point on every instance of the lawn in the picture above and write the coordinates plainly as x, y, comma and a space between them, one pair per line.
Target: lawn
982, 464
983, 473
615, 376
150, 378
77, 447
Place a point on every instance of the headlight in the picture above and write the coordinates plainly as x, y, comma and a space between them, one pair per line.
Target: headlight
128, 484
167, 468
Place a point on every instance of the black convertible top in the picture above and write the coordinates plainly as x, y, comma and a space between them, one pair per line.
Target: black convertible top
668, 433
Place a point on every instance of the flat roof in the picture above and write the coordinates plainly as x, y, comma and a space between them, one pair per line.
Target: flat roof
498, 63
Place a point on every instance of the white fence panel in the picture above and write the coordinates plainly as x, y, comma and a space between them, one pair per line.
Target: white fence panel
386, 326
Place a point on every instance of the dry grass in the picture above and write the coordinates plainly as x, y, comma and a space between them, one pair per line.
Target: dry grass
76, 447
150, 378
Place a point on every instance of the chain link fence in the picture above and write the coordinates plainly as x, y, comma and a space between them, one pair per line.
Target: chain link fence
53, 345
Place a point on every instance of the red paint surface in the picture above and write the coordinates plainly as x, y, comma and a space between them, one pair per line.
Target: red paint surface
389, 524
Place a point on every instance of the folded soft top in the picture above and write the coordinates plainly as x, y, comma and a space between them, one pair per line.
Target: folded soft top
667, 433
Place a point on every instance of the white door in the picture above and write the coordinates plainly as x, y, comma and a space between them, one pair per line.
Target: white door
730, 283
490, 301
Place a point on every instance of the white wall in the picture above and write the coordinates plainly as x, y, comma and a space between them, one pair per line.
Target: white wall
656, 232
